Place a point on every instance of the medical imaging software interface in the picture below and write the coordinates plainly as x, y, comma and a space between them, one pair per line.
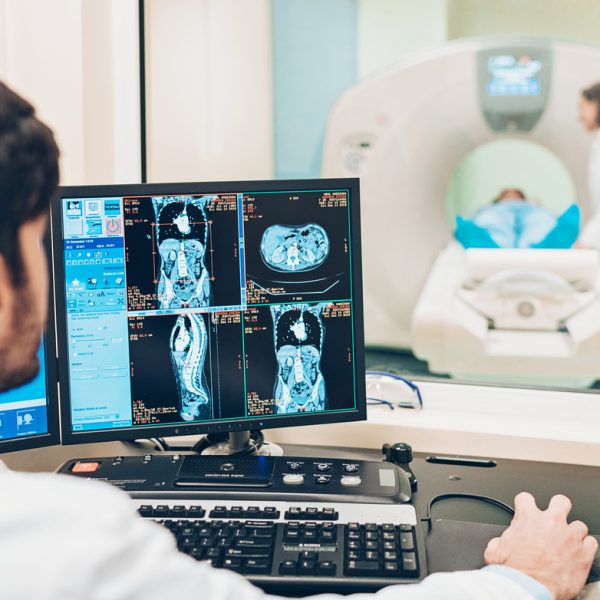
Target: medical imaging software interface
24, 410
195, 308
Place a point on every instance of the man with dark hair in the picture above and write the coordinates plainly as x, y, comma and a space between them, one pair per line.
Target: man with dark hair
62, 538
589, 115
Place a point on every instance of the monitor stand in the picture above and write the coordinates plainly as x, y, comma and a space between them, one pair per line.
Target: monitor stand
238, 443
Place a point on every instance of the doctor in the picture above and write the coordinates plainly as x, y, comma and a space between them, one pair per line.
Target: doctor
63, 538
589, 115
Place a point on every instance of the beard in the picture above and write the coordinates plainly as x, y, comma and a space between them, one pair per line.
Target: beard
19, 362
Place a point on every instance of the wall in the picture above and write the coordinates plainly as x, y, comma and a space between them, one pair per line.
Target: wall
572, 20
76, 61
209, 91
388, 30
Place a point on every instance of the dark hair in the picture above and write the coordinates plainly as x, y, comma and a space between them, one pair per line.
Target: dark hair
28, 173
592, 94
503, 193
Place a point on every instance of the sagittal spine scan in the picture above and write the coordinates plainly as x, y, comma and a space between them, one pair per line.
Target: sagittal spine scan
286, 248
182, 234
188, 344
298, 336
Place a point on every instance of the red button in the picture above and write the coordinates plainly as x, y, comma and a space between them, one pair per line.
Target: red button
85, 467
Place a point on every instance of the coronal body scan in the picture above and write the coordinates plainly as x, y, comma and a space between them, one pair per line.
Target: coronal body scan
298, 336
182, 235
188, 343
287, 248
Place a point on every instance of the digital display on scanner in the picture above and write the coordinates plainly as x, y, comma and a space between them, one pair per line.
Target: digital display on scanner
513, 75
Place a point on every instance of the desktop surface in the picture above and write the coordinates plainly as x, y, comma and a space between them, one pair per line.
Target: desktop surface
222, 307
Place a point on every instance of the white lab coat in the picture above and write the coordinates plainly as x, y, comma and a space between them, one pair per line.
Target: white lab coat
590, 235
62, 538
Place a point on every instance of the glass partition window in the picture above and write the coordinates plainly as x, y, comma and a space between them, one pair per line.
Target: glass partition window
461, 120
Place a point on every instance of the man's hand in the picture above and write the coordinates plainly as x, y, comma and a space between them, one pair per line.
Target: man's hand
544, 546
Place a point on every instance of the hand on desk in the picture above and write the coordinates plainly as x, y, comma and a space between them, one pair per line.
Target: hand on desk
544, 546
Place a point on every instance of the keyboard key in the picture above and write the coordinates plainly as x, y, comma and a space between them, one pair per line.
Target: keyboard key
372, 555
409, 564
162, 510
257, 566
252, 543
146, 510
287, 567
407, 541
390, 568
306, 567
363, 567
308, 555
390, 556
178, 511
309, 536
372, 545
328, 536
218, 512
196, 511
270, 512
235, 564
330, 513
326, 567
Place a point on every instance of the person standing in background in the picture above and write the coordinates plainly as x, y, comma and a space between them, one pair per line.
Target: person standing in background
589, 115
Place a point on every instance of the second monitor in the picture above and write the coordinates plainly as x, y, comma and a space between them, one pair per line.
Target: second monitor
222, 307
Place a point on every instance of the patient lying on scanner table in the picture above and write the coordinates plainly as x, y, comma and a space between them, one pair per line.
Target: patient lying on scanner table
512, 221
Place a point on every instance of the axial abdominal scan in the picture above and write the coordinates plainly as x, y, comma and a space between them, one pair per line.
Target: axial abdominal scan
287, 248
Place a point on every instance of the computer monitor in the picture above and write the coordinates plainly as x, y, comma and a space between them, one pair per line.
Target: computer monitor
29, 414
208, 307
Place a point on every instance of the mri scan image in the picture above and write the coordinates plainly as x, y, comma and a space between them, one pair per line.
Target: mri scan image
288, 248
188, 343
182, 235
298, 336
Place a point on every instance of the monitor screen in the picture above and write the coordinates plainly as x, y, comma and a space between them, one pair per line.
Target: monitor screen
190, 308
513, 75
29, 414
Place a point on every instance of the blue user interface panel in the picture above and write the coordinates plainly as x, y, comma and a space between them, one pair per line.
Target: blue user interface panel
24, 411
514, 75
201, 308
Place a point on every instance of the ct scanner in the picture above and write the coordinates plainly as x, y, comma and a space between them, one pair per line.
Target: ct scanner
530, 315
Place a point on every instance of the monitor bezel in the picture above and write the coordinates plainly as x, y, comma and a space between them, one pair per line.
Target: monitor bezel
77, 437
52, 437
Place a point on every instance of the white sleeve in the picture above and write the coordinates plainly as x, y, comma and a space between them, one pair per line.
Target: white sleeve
64, 539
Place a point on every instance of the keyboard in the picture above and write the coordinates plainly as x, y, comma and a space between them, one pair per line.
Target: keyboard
310, 546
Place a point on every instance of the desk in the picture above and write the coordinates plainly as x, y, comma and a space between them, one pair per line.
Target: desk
580, 483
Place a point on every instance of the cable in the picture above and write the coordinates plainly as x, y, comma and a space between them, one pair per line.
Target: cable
488, 499
257, 439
